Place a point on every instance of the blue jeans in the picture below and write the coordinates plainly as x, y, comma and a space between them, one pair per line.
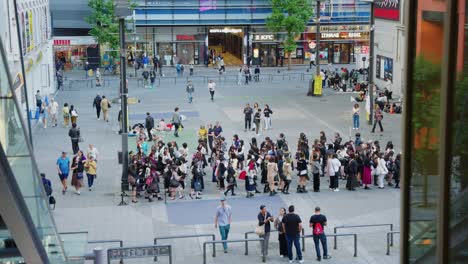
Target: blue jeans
355, 121
321, 238
290, 240
224, 231
90, 180
190, 97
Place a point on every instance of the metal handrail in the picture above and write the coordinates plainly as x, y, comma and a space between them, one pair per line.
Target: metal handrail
246, 235
230, 241
359, 226
335, 246
390, 234
186, 236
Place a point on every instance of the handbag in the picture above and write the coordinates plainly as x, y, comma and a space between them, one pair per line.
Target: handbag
260, 230
174, 183
131, 180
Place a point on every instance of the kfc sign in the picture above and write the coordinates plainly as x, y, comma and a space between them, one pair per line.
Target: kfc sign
269, 37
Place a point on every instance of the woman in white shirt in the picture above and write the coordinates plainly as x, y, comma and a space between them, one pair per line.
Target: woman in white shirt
356, 113
381, 171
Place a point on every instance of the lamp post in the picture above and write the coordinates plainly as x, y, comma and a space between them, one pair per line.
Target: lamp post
317, 44
122, 10
371, 58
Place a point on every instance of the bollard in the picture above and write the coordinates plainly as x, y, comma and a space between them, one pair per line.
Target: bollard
99, 256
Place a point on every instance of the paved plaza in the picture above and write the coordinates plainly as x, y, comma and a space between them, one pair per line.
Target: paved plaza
293, 112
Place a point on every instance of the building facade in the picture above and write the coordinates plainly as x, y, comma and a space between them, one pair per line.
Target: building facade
36, 47
389, 46
191, 31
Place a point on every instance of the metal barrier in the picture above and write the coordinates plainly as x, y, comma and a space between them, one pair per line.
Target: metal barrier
359, 226
246, 235
186, 236
335, 246
108, 241
89, 82
390, 234
230, 241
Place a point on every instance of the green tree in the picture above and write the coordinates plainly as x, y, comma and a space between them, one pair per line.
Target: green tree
104, 23
291, 17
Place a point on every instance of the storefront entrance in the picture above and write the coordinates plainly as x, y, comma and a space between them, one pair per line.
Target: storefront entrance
265, 54
226, 42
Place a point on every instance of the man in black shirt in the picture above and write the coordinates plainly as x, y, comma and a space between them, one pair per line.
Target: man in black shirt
149, 124
292, 225
264, 219
318, 222
248, 111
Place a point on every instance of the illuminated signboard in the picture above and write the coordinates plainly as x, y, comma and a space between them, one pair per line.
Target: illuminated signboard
341, 35
225, 30
266, 37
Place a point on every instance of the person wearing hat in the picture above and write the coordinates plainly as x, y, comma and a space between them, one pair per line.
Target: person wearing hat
318, 222
264, 219
223, 219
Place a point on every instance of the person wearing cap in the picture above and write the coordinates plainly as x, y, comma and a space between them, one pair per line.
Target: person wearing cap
318, 222
223, 219
63, 168
264, 219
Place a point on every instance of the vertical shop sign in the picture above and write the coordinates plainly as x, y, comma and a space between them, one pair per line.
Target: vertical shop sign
31, 33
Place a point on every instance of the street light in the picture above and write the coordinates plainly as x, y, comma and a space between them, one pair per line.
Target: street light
371, 57
122, 10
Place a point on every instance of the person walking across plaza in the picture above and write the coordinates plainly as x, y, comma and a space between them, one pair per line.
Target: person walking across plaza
318, 222
292, 226
356, 113
105, 105
59, 76
90, 167
212, 89
190, 89
223, 220
176, 121
53, 111
264, 218
149, 124
378, 116
74, 134
78, 169
248, 111
66, 115
283, 245
73, 114
97, 105
63, 169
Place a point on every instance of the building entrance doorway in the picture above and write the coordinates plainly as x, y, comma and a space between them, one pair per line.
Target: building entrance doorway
227, 43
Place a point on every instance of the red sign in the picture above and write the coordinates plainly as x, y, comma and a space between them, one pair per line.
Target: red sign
61, 42
185, 37
388, 10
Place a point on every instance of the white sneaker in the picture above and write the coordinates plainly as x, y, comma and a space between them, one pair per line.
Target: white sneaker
336, 190
99, 118
291, 261
78, 192
301, 261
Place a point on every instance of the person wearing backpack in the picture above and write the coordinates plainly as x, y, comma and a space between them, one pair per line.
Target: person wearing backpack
318, 222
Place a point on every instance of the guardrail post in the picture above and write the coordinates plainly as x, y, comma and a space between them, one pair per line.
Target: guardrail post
204, 253
355, 245
263, 255
170, 254
303, 240
155, 243
334, 239
214, 246
246, 244
391, 237
388, 244
99, 255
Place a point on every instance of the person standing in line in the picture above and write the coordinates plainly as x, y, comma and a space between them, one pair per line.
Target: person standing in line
316, 171
351, 181
266, 113
74, 134
264, 219
176, 121
318, 222
292, 226
287, 176
91, 167
223, 220
105, 105
210, 137
248, 111
356, 113
190, 90
335, 166
257, 120
302, 173
381, 170
149, 124
63, 169
272, 174
378, 116
66, 115
212, 89
283, 245
97, 105
53, 111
